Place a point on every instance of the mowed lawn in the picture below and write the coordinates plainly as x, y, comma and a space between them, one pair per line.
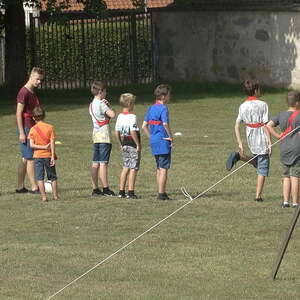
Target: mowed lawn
220, 246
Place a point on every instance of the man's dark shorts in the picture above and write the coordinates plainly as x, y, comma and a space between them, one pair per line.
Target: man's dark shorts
26, 151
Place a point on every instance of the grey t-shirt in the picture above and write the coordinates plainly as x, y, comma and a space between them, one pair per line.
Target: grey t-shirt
290, 145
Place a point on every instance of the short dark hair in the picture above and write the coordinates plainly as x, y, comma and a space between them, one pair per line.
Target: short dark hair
38, 113
292, 98
97, 86
162, 90
251, 86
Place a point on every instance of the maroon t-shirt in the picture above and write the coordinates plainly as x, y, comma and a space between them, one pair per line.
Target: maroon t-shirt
30, 101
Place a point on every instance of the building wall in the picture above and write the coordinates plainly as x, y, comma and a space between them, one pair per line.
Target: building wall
229, 46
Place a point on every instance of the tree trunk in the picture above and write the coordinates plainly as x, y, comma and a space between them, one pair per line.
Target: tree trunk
15, 45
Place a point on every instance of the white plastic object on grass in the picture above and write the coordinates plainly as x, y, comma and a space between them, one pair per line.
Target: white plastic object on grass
48, 186
178, 133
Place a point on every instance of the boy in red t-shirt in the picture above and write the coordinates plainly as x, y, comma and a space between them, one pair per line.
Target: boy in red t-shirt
42, 140
27, 100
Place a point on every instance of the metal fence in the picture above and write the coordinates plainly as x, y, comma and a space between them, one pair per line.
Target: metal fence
76, 49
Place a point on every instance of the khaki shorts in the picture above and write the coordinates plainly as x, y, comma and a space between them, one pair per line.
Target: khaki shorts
293, 170
131, 158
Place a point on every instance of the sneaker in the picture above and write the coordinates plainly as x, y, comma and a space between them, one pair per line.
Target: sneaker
285, 205
132, 196
294, 205
34, 192
259, 200
122, 195
23, 190
96, 192
163, 196
108, 192
233, 158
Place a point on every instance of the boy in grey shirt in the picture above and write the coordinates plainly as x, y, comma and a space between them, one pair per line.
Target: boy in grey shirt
289, 147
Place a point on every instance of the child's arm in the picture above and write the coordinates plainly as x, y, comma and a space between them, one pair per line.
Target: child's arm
39, 147
168, 130
118, 135
136, 140
52, 147
146, 129
238, 137
270, 127
269, 139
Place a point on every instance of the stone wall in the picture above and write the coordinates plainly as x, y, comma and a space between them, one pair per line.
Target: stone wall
229, 46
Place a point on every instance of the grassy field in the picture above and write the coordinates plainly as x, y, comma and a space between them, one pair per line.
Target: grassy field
221, 246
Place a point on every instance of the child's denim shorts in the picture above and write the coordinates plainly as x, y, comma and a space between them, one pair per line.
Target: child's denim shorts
41, 165
26, 151
263, 163
163, 161
101, 152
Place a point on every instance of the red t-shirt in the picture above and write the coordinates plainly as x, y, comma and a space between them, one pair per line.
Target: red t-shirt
30, 101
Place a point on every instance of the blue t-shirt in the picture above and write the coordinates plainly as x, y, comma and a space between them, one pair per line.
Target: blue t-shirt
160, 114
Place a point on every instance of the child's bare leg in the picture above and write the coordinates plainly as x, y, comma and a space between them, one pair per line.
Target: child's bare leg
21, 173
295, 189
286, 189
94, 173
30, 173
54, 190
123, 178
42, 190
245, 157
162, 176
259, 185
103, 174
131, 179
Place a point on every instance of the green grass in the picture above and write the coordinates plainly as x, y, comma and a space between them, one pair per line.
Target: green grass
221, 246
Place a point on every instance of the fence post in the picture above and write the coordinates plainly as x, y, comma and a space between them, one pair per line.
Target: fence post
32, 41
133, 48
83, 52
155, 51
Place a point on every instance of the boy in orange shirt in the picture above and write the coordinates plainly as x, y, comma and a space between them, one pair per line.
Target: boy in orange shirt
42, 140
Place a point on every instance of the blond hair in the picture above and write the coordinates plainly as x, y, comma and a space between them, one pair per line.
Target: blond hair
97, 86
37, 70
127, 100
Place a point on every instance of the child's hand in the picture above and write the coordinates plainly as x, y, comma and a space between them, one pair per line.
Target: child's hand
241, 148
168, 139
52, 162
106, 102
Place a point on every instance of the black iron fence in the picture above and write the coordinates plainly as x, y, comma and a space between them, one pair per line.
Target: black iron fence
74, 51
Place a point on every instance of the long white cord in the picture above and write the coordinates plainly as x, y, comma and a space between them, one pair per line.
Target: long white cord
158, 223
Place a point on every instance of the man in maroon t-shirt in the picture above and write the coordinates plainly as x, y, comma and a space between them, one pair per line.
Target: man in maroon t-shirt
27, 100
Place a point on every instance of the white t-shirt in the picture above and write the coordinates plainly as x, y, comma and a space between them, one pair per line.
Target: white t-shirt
97, 110
253, 112
127, 122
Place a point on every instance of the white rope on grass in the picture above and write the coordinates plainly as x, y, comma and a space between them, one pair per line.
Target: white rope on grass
186, 194
191, 199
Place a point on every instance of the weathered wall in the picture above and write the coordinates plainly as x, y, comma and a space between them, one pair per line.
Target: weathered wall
229, 46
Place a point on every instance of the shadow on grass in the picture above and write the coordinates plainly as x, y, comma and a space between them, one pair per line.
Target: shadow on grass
181, 91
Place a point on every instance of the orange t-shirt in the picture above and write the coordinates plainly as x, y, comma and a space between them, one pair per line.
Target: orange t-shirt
49, 132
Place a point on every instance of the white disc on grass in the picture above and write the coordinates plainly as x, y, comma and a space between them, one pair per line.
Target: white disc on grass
177, 133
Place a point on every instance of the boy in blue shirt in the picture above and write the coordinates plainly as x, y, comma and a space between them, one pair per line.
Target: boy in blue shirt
157, 128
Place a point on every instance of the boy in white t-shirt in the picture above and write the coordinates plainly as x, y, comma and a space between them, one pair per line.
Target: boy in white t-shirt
128, 134
101, 113
253, 112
